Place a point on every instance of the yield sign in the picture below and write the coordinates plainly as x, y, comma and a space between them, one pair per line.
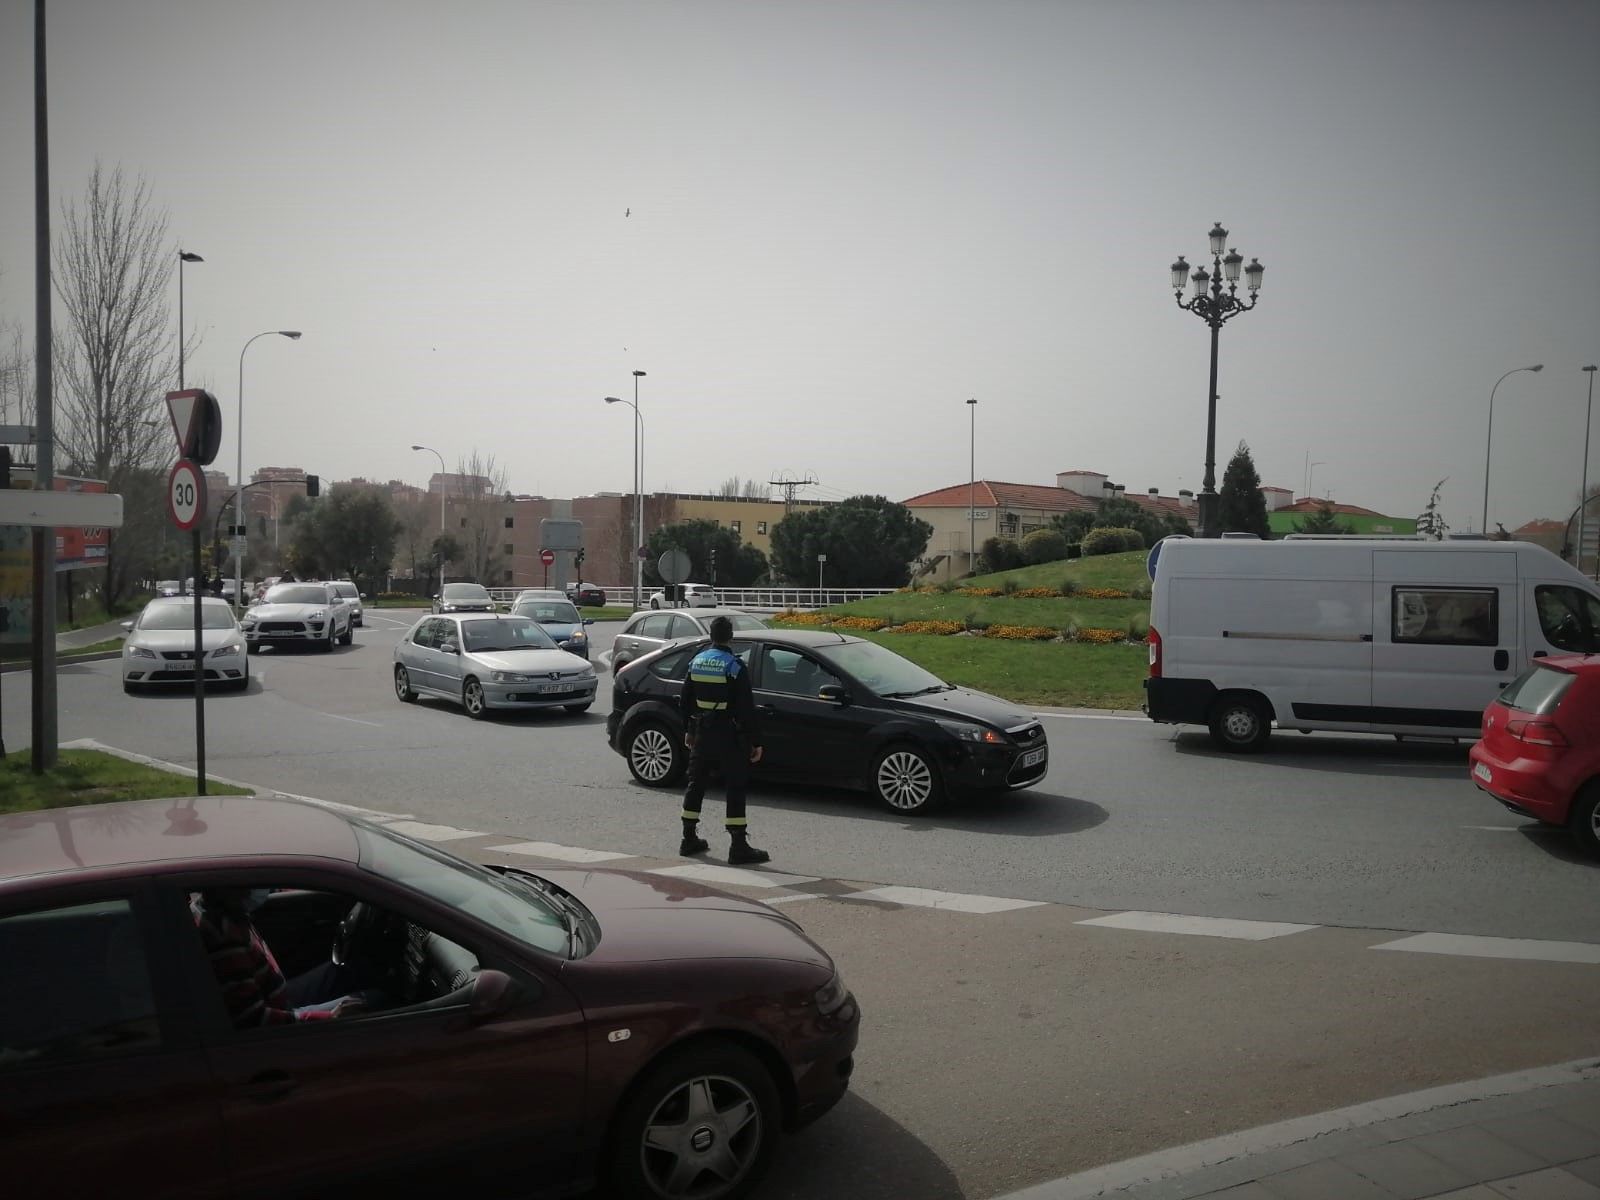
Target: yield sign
182, 407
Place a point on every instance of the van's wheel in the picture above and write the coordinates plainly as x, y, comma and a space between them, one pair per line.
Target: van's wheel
1241, 722
1584, 819
702, 1123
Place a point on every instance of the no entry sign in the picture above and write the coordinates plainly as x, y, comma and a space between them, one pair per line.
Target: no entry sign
186, 494
547, 557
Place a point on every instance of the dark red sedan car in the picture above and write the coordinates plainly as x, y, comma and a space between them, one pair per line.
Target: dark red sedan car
514, 1033
1540, 751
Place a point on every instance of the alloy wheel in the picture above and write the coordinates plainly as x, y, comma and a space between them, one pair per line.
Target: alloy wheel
702, 1139
905, 780
651, 754
472, 698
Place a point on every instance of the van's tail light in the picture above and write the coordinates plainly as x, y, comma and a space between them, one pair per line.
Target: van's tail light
1537, 733
1155, 653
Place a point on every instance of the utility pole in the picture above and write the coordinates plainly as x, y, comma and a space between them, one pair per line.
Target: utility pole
789, 487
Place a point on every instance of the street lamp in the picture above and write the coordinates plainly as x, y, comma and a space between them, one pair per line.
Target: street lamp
638, 485
1216, 308
238, 467
972, 488
1583, 492
443, 482
184, 256
1311, 477
1488, 442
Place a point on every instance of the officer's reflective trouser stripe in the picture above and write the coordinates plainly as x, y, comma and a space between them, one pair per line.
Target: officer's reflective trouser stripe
737, 822
690, 816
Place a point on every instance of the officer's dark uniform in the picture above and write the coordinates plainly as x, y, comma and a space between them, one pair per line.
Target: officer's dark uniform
719, 708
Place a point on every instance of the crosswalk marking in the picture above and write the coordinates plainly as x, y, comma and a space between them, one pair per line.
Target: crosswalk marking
431, 833
562, 853
1222, 927
1468, 946
947, 901
709, 873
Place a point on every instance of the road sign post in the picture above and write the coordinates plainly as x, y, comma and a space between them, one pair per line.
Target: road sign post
547, 557
186, 505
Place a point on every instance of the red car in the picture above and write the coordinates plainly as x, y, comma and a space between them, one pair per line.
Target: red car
521, 1033
1540, 750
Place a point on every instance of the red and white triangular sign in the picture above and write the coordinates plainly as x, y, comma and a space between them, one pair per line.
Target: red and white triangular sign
182, 407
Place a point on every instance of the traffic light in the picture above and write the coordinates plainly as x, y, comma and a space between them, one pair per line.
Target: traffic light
313, 486
577, 559
5, 468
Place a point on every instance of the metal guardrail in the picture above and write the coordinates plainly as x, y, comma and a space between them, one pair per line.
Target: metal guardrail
772, 599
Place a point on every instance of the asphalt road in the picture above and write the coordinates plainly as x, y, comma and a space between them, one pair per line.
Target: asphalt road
1326, 830
1003, 1048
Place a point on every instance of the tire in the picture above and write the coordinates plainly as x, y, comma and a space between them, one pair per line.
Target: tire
132, 689
1584, 819
402, 685
906, 781
617, 666
703, 1122
240, 685
349, 635
655, 755
578, 710
1241, 722
326, 644
252, 648
472, 699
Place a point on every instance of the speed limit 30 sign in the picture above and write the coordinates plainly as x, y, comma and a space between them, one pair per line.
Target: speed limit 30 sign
186, 494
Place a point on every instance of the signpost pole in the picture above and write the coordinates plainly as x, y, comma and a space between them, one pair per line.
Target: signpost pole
199, 673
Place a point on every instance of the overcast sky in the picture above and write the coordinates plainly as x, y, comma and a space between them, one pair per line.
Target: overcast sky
850, 217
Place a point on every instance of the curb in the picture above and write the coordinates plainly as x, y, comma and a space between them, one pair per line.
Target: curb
1165, 1165
12, 668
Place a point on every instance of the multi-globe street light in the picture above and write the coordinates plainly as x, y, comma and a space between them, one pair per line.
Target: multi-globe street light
1488, 440
1215, 306
238, 480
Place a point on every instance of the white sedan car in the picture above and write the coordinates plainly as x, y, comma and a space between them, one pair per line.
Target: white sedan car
303, 614
159, 648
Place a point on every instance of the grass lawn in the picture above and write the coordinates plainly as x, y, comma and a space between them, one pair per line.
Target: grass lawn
91, 777
1001, 610
1125, 571
1065, 674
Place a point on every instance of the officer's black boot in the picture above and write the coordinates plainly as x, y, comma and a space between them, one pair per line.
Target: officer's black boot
742, 852
692, 844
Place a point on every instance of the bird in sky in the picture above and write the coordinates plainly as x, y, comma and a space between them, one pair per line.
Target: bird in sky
628, 213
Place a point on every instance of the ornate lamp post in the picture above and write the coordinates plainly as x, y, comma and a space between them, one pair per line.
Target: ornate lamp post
1216, 306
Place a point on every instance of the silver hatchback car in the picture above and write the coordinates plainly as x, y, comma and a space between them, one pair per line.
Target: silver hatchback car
483, 661
647, 631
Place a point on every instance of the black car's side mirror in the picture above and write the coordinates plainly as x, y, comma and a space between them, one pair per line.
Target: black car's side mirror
492, 994
834, 692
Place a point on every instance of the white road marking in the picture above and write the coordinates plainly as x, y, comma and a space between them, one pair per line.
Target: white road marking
948, 901
714, 874
1467, 946
389, 621
791, 898
556, 851
1092, 717
1496, 828
1223, 927
371, 814
353, 720
432, 833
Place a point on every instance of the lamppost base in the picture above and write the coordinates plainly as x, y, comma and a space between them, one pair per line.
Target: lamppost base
1207, 521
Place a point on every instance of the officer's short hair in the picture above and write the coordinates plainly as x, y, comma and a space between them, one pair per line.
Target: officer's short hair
721, 630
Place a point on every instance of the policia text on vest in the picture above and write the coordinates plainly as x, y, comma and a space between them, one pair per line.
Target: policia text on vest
720, 730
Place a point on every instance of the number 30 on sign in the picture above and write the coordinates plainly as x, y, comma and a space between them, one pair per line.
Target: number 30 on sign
186, 494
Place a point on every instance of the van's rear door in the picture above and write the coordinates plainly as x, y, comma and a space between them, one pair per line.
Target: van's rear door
1444, 637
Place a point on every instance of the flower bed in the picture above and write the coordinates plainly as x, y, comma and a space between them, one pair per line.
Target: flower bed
1101, 637
1102, 594
1022, 633
940, 628
790, 617
864, 624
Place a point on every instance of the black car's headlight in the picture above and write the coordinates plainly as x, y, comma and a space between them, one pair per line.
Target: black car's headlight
973, 733
832, 996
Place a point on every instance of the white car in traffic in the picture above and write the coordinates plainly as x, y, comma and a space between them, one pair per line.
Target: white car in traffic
298, 614
695, 595
160, 650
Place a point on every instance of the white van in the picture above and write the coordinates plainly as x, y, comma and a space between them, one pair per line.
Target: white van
1406, 638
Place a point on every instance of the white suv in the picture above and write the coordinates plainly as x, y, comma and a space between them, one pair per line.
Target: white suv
695, 595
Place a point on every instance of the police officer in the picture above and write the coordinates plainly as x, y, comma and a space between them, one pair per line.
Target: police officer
719, 714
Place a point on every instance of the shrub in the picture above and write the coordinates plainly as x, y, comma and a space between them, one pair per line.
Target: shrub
1001, 554
1008, 587
1141, 591
1111, 540
1020, 633
1069, 586
1138, 629
1044, 545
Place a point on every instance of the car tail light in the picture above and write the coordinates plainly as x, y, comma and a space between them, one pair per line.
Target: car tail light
1155, 653
1537, 733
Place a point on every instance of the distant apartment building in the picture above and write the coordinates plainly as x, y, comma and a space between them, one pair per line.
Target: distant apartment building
452, 484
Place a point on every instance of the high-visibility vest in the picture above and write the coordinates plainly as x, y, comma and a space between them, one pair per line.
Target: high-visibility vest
713, 671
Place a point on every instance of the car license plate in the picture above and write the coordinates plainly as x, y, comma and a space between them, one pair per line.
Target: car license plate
555, 687
1033, 757
1482, 772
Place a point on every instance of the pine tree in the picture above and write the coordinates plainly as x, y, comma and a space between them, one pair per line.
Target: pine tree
1241, 507
1431, 522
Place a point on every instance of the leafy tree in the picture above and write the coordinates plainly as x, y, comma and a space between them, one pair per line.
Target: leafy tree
735, 488
350, 535
1324, 520
870, 541
1431, 521
483, 514
1120, 513
738, 564
1241, 507
1044, 545
1073, 525
418, 517
442, 552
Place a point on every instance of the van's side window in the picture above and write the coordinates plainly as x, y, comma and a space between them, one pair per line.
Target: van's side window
1569, 618
1446, 616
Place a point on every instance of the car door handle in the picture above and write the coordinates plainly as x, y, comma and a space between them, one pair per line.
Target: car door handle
1540, 654
1502, 659
267, 1086
767, 710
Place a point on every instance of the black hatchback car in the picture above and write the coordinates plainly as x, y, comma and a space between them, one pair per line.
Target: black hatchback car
837, 710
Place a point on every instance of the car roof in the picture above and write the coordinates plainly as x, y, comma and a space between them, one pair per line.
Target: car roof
139, 833
166, 601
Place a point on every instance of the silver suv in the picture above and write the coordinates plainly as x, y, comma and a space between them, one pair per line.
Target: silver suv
647, 631
348, 592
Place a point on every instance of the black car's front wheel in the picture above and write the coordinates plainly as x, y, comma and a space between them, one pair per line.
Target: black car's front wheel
906, 780
702, 1123
655, 755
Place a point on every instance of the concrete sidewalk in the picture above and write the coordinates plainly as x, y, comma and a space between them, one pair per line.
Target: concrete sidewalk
1531, 1135
76, 639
